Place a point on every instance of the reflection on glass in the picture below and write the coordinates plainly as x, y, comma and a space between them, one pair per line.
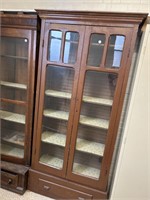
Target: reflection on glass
96, 49
71, 47
14, 47
97, 100
115, 49
13, 62
54, 46
58, 89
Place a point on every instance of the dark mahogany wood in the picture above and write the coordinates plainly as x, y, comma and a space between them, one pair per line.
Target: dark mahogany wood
58, 188
23, 24
23, 20
14, 177
51, 181
19, 25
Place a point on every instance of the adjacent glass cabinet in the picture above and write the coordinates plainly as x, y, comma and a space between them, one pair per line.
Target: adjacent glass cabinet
17, 67
84, 63
14, 63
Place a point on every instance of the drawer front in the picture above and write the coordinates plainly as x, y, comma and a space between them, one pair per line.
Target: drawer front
8, 179
57, 191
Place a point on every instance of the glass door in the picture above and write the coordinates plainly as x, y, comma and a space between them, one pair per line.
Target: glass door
95, 112
14, 85
98, 94
58, 91
59, 77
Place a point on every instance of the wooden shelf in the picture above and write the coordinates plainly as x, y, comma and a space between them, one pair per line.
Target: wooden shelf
51, 161
56, 114
94, 122
90, 147
89, 121
81, 145
95, 100
88, 99
85, 170
14, 57
13, 85
77, 168
12, 151
13, 117
54, 138
13, 137
58, 94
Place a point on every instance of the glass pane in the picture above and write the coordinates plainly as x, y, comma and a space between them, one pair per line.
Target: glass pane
96, 47
14, 47
14, 65
58, 89
12, 129
54, 46
95, 113
71, 47
115, 49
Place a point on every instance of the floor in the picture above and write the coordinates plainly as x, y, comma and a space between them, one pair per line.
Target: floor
28, 195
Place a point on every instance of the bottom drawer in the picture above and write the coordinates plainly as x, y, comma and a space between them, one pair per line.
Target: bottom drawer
14, 177
58, 191
9, 179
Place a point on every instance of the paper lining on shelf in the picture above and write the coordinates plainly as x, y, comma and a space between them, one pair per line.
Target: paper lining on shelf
95, 122
57, 114
96, 100
59, 94
88, 99
13, 117
12, 151
90, 121
54, 138
86, 170
81, 145
90, 147
52, 161
15, 138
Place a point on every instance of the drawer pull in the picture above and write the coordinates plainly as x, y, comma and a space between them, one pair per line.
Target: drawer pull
46, 187
9, 181
81, 198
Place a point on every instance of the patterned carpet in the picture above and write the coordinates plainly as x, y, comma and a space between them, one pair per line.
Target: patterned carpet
28, 195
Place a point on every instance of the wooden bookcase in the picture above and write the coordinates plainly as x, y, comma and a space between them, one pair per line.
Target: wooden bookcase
17, 85
84, 63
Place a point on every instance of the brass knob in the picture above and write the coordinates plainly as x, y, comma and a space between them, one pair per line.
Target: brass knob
9, 181
46, 187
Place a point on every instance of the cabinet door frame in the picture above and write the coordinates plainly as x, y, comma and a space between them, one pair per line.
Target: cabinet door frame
31, 36
122, 73
43, 63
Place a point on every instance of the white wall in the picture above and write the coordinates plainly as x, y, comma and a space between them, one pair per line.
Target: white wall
99, 5
132, 180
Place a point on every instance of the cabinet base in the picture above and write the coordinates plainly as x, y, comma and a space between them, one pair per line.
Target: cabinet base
14, 177
59, 188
